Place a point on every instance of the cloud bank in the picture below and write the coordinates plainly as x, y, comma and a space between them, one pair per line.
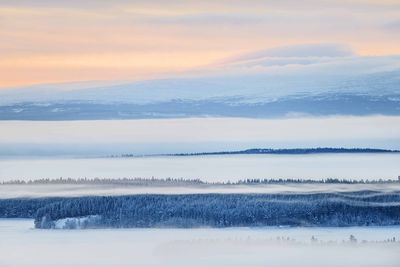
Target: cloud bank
64, 41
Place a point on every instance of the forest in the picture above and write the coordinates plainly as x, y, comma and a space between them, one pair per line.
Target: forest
281, 151
192, 182
363, 208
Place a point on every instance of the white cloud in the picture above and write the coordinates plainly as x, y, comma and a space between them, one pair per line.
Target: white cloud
297, 51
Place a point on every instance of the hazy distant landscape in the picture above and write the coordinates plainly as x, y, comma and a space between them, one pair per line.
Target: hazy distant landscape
200, 133
209, 168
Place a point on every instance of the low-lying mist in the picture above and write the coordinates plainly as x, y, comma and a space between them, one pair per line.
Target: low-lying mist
198, 247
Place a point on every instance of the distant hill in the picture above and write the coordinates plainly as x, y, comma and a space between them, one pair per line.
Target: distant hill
237, 107
248, 95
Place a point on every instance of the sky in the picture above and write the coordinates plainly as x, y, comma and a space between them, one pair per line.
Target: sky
66, 41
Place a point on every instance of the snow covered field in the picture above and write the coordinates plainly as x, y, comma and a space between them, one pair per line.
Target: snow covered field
21, 245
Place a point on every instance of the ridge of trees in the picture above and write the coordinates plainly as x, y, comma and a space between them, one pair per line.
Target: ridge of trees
361, 208
280, 151
191, 182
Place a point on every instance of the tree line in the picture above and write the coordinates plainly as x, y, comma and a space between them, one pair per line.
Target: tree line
228, 210
362, 208
191, 182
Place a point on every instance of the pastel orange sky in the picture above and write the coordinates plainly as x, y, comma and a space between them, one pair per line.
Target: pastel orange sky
64, 41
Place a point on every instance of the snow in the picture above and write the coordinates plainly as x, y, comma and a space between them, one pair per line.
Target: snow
75, 222
196, 247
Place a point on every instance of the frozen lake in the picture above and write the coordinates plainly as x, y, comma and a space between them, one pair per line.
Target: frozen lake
209, 168
20, 246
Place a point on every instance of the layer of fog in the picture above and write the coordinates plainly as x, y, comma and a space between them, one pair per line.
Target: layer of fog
100, 138
74, 190
314, 130
196, 247
209, 168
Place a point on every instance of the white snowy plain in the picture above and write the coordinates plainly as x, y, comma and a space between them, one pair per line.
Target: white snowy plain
21, 245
